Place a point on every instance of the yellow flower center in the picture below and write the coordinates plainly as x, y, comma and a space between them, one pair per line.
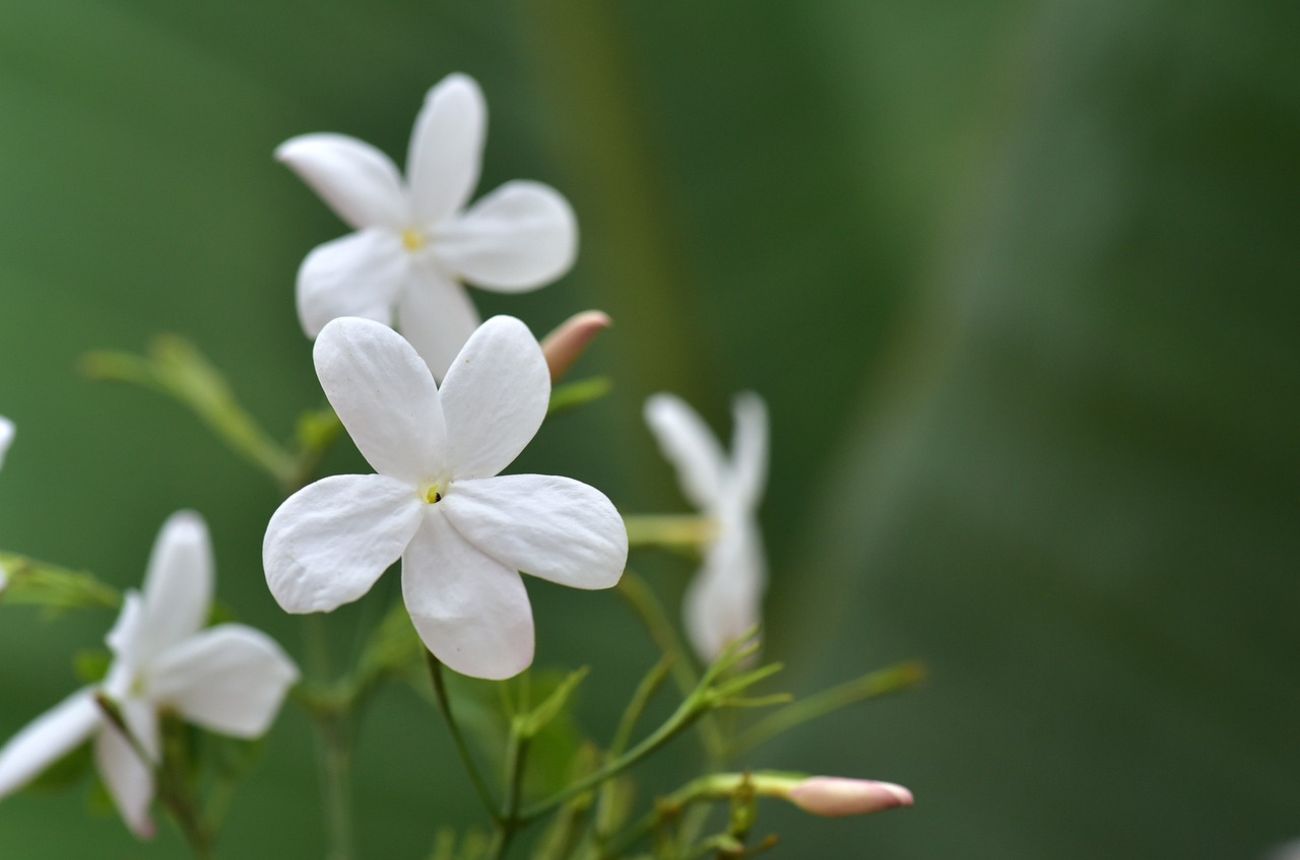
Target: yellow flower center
413, 240
433, 494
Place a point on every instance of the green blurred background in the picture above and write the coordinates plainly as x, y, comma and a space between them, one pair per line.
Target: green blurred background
1018, 280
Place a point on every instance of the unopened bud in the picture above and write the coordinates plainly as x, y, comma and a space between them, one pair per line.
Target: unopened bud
836, 797
566, 344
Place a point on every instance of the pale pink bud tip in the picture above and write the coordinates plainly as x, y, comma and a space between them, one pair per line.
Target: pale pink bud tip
836, 797
564, 346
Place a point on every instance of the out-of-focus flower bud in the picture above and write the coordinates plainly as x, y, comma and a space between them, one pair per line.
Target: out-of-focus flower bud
564, 346
836, 797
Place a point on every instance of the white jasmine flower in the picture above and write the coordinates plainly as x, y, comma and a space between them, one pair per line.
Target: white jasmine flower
462, 533
724, 600
416, 243
229, 679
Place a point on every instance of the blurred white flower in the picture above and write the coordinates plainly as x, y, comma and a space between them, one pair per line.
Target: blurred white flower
725, 599
229, 679
416, 243
6, 437
462, 533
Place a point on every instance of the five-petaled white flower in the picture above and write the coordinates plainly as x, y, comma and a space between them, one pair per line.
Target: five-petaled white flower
229, 679
462, 532
725, 599
415, 242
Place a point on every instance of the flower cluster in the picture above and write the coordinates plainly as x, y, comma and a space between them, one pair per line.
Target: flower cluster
440, 405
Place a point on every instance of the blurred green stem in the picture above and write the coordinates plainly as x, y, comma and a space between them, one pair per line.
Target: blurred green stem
508, 822
882, 682
712, 787
41, 583
671, 531
702, 700
333, 747
647, 607
176, 368
458, 739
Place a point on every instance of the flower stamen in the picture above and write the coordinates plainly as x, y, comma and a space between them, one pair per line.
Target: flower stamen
413, 240
433, 494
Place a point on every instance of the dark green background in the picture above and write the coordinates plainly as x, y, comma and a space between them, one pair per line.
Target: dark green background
1018, 280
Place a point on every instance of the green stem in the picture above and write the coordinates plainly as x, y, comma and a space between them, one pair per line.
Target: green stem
509, 822
688, 712
879, 683
333, 746
645, 691
674, 531
41, 583
647, 607
711, 787
335, 761
458, 739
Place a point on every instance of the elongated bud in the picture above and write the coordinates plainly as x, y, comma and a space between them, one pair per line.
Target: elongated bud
836, 797
564, 346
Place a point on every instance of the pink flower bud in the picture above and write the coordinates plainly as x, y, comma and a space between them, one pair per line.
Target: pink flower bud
836, 797
564, 346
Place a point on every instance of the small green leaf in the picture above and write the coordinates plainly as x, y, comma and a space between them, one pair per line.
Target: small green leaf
547, 711
571, 395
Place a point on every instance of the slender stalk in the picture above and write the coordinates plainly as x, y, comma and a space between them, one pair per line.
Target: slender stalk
674, 531
711, 787
333, 748
335, 762
647, 607
41, 583
509, 822
879, 683
645, 691
686, 714
458, 739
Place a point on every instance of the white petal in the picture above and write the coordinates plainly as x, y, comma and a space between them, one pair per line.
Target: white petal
230, 679
124, 640
385, 396
47, 739
470, 610
178, 586
446, 151
749, 449
556, 528
359, 275
436, 316
329, 542
128, 779
494, 397
359, 182
6, 437
519, 237
724, 601
688, 444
